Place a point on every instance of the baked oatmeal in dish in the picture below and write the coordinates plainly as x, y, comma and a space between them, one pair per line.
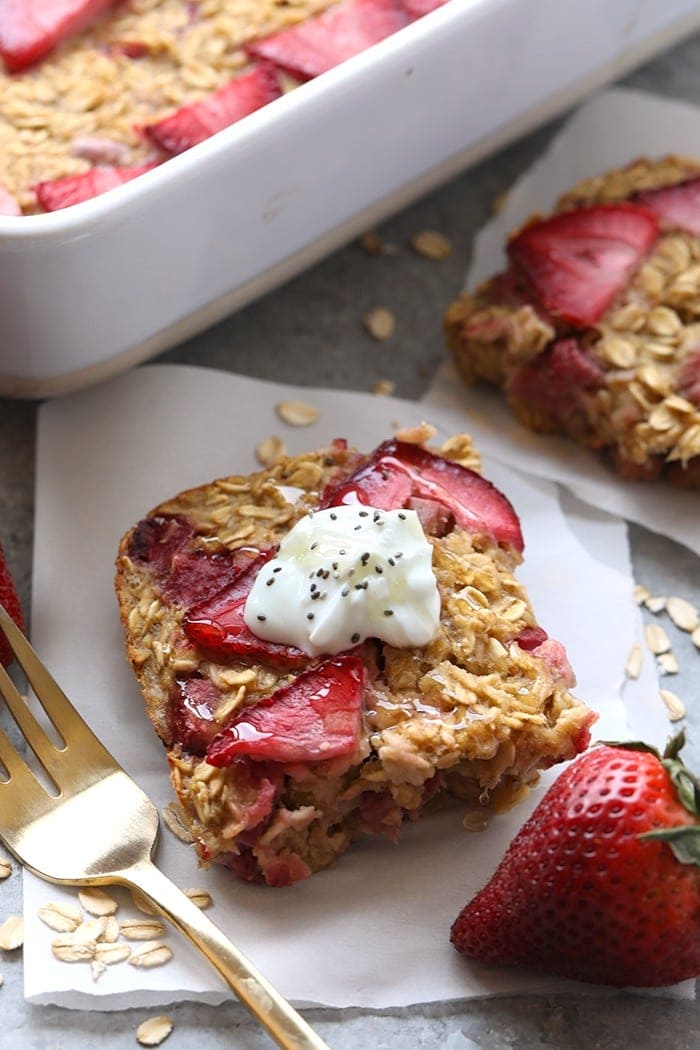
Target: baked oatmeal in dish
95, 92
326, 646
593, 330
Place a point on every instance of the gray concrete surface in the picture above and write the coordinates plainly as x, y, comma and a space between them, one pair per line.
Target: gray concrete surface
309, 332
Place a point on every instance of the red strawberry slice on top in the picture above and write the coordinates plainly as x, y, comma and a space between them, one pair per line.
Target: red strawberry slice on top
418, 8
74, 189
217, 624
398, 472
235, 100
678, 207
29, 29
576, 262
315, 717
318, 44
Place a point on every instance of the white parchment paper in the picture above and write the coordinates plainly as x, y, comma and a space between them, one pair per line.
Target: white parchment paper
372, 931
612, 129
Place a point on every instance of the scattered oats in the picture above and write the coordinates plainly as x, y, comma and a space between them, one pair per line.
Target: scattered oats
157, 955
202, 898
111, 954
172, 817
5, 869
380, 323
655, 605
270, 450
696, 637
97, 902
656, 638
110, 934
153, 1031
667, 663
641, 594
67, 949
417, 435
63, 918
384, 387
297, 413
674, 704
92, 930
144, 906
373, 244
141, 929
683, 614
475, 821
633, 666
97, 968
431, 245
12, 933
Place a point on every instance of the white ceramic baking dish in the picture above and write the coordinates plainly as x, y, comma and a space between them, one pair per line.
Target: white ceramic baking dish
101, 286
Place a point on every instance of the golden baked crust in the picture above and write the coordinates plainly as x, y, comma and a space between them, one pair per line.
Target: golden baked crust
645, 413
473, 713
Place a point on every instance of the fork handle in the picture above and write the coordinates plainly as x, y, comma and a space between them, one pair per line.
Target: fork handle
278, 1018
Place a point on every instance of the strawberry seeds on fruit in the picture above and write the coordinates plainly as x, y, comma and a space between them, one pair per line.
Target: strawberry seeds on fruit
602, 883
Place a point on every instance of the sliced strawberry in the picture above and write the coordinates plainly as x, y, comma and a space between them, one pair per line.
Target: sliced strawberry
398, 472
8, 204
217, 624
318, 44
315, 717
192, 706
530, 637
10, 602
192, 124
197, 575
29, 29
555, 380
74, 189
576, 262
155, 540
678, 207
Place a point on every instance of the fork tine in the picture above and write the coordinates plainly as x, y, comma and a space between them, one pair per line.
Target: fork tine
35, 736
56, 704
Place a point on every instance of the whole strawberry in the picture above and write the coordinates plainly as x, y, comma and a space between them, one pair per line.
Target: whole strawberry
9, 599
602, 883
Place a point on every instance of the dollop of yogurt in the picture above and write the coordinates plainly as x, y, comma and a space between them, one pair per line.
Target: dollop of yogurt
345, 574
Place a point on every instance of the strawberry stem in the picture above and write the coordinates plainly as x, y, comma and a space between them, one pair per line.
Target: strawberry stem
684, 841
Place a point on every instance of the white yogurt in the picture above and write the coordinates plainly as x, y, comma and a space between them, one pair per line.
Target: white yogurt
345, 574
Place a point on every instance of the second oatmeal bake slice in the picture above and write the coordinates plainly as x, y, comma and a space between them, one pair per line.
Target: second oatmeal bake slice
594, 327
329, 644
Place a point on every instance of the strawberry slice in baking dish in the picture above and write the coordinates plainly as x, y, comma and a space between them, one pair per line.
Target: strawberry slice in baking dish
318, 44
399, 473
192, 124
678, 207
74, 189
418, 8
29, 29
314, 718
578, 260
217, 624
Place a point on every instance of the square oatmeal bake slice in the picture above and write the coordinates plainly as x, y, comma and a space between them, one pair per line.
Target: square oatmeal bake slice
327, 645
594, 327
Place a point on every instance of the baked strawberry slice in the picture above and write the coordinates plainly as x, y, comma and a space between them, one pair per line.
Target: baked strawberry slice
74, 189
398, 473
192, 706
197, 122
678, 207
577, 261
318, 44
217, 624
10, 602
29, 29
314, 718
602, 883
8, 204
418, 8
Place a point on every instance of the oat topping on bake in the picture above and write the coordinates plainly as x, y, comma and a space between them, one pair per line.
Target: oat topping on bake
281, 759
594, 330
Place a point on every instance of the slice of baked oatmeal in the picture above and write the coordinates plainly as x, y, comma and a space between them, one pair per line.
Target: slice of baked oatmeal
594, 328
327, 645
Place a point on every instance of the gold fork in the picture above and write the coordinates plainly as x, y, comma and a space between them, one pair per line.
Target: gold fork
100, 828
